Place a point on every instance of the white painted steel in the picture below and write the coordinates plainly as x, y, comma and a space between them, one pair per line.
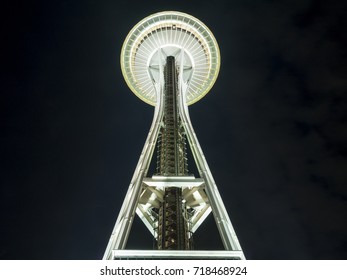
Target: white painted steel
126, 215
176, 254
177, 181
221, 216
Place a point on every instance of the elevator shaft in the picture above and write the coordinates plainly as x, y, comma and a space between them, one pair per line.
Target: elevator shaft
172, 150
172, 161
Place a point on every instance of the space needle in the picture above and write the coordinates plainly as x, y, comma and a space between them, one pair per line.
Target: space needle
171, 60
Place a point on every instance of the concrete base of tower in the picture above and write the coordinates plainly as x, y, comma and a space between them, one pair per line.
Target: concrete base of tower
176, 255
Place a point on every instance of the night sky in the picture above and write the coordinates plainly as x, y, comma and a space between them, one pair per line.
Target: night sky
273, 127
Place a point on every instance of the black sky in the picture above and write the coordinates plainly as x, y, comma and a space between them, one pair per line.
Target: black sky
273, 128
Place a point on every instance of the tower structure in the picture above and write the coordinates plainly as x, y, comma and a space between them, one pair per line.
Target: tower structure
171, 60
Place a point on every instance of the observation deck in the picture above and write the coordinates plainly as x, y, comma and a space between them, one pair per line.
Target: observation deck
165, 34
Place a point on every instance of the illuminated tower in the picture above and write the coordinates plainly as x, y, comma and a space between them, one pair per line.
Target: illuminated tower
171, 60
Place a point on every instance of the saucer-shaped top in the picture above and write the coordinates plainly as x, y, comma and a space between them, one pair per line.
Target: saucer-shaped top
170, 34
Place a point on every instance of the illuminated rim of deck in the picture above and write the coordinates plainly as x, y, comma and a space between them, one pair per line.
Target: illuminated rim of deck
172, 34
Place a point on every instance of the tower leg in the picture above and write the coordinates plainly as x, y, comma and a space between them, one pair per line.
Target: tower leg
224, 225
126, 215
